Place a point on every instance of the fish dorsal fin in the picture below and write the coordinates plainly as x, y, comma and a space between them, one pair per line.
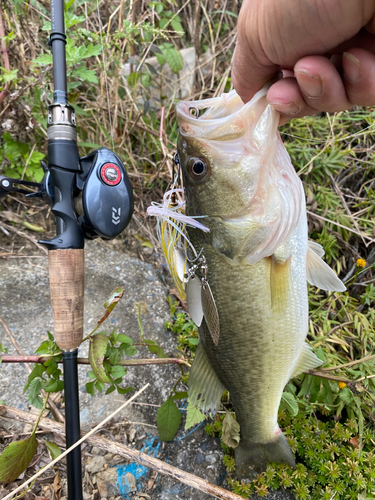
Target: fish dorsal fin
205, 388
319, 274
307, 361
315, 247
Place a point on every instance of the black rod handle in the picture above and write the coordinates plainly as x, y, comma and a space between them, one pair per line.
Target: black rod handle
72, 425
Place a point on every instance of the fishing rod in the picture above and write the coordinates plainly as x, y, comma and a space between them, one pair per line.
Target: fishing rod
90, 197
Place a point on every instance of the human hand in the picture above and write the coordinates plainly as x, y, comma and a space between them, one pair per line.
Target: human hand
325, 50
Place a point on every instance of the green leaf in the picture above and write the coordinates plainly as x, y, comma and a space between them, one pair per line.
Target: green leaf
34, 394
174, 59
44, 348
8, 76
37, 371
290, 403
118, 371
231, 431
114, 355
90, 387
193, 340
320, 354
168, 420
193, 416
110, 389
54, 386
155, 349
92, 50
161, 58
87, 75
97, 350
124, 338
16, 457
120, 390
53, 449
99, 385
130, 350
180, 395
177, 26
51, 367
43, 60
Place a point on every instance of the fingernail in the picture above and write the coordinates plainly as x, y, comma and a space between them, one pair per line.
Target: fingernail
311, 85
352, 67
290, 108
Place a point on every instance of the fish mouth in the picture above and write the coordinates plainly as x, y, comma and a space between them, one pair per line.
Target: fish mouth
221, 118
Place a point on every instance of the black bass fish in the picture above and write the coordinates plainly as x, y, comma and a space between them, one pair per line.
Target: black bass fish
238, 175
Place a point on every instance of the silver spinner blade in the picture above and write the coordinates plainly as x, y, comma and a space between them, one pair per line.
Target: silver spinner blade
194, 299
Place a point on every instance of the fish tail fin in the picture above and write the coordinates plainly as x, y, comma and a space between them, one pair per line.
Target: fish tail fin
253, 459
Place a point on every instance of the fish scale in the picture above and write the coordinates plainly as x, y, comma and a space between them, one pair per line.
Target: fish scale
244, 332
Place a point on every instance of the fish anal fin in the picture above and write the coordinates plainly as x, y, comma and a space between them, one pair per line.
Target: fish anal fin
319, 274
205, 388
307, 361
280, 283
253, 459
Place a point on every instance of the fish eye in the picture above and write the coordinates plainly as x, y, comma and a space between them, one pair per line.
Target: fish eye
197, 169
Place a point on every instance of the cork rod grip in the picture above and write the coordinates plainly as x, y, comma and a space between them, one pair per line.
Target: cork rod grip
66, 276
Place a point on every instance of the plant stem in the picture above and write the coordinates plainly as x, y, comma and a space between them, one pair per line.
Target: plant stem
318, 373
86, 361
41, 413
351, 363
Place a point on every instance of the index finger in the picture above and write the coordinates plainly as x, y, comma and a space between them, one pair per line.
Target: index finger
248, 74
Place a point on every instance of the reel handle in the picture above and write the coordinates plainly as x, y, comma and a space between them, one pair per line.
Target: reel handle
66, 274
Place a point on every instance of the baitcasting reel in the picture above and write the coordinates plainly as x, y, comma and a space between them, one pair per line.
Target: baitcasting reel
102, 196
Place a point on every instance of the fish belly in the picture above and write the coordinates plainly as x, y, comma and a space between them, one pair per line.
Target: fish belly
261, 337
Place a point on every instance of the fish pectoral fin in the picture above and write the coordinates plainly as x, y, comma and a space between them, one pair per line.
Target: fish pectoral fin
205, 388
307, 361
315, 247
319, 274
280, 283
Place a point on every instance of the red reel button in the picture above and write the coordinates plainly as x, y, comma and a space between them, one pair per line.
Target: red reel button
110, 174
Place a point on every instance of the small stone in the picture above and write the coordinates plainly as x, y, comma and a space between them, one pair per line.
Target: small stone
109, 457
132, 434
211, 459
107, 483
97, 451
86, 496
95, 464
131, 482
204, 446
200, 458
176, 488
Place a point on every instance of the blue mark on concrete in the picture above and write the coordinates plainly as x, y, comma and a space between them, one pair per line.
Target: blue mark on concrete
151, 446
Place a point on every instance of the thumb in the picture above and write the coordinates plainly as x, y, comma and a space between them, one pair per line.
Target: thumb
248, 74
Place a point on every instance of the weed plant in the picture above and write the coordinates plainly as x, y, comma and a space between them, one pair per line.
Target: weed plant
124, 103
